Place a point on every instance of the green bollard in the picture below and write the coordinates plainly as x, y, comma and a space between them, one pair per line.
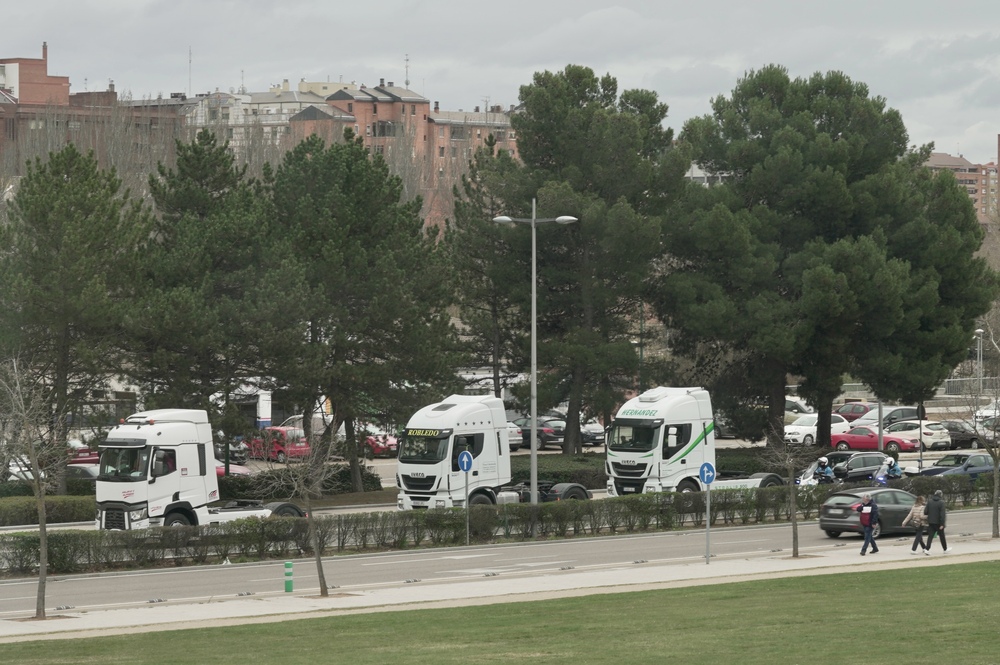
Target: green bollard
288, 577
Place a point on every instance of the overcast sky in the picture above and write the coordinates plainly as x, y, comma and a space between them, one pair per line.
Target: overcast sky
937, 62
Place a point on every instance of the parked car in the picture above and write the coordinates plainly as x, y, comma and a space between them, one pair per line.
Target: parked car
546, 432
803, 429
946, 463
238, 451
854, 410
890, 415
82, 471
989, 428
592, 433
991, 410
723, 430
379, 443
866, 438
514, 436
279, 444
963, 435
859, 467
797, 405
972, 467
234, 469
932, 435
839, 512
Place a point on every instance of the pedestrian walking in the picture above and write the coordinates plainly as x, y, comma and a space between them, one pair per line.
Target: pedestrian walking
869, 518
936, 516
917, 519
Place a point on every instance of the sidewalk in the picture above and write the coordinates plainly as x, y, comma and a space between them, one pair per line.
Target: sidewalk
551, 584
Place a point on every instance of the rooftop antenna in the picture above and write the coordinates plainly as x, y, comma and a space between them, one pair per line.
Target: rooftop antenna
407, 81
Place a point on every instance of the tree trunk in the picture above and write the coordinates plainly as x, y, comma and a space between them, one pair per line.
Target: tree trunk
352, 455
43, 542
996, 495
314, 542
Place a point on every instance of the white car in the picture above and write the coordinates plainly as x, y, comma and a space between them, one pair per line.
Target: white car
514, 436
991, 410
797, 405
803, 429
933, 435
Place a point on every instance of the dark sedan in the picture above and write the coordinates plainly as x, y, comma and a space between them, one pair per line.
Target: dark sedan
972, 467
838, 513
946, 463
550, 432
963, 435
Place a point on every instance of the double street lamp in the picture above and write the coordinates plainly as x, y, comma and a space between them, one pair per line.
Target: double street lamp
565, 219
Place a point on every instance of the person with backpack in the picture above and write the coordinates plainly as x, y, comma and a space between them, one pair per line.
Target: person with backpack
917, 519
869, 518
936, 516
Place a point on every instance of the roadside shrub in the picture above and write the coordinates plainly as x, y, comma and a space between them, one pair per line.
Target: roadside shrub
483, 523
15, 488
444, 525
18, 510
20, 553
68, 551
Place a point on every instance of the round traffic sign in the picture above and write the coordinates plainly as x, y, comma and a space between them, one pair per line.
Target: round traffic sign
465, 461
707, 473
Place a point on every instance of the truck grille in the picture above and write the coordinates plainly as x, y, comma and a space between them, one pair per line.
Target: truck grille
419, 484
629, 470
624, 487
114, 519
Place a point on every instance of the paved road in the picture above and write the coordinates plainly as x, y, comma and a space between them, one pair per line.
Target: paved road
515, 563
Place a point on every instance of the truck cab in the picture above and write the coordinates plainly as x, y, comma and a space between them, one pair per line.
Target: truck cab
659, 440
157, 468
428, 475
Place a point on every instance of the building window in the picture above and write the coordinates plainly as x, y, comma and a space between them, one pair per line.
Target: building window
350, 107
441, 132
441, 151
374, 108
413, 109
454, 152
379, 150
213, 114
229, 133
458, 133
357, 130
368, 130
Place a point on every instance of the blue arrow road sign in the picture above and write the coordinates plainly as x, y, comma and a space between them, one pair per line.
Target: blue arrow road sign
706, 472
465, 461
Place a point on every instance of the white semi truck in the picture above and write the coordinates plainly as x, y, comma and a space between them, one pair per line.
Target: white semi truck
659, 440
157, 468
428, 473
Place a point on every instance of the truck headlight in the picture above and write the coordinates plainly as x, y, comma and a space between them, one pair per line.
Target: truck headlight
136, 515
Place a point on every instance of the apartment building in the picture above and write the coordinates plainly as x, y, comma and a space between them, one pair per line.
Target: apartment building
978, 180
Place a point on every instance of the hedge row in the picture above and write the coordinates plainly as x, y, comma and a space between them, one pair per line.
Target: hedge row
256, 539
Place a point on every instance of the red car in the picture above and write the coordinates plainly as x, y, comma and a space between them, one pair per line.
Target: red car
279, 444
234, 469
851, 411
866, 438
381, 444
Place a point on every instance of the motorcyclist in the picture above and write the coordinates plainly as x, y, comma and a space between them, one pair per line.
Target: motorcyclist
892, 470
823, 472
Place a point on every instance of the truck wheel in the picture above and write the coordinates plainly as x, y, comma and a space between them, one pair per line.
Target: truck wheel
480, 500
833, 534
687, 486
768, 479
843, 446
282, 509
176, 519
281, 457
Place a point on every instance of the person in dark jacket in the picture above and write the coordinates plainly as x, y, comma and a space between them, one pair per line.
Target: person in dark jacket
869, 518
936, 517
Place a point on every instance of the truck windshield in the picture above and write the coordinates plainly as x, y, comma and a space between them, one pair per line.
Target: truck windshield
124, 464
423, 449
633, 438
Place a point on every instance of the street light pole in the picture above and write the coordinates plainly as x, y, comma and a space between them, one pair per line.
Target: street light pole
979, 358
565, 219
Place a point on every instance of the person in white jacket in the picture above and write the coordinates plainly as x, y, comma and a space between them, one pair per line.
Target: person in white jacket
917, 519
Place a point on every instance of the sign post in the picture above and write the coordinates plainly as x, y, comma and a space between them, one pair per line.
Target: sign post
465, 464
707, 475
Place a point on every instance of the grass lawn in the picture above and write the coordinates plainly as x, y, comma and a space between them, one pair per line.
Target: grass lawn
942, 614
